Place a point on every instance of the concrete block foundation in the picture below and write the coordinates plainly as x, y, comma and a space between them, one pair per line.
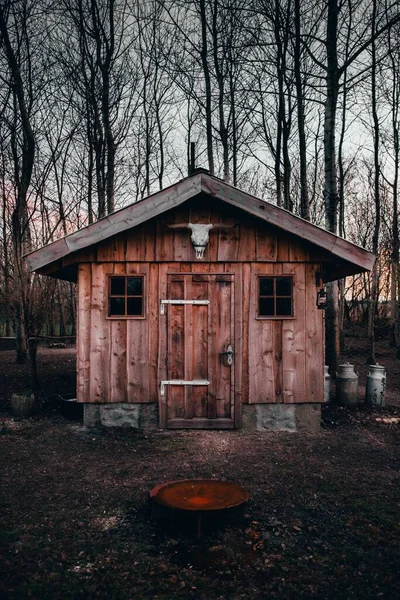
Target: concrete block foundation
136, 416
282, 417
255, 417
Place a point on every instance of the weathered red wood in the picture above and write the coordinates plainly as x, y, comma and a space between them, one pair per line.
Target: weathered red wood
261, 346
293, 340
266, 243
182, 243
278, 356
84, 256
314, 335
199, 291
196, 423
243, 326
109, 250
153, 326
118, 347
298, 251
189, 341
283, 244
247, 241
176, 348
100, 335
228, 244
149, 249
197, 341
164, 247
213, 360
84, 332
225, 336
136, 244
186, 268
162, 348
137, 346
237, 335
200, 212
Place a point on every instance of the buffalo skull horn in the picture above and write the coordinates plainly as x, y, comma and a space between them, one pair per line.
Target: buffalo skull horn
200, 234
200, 237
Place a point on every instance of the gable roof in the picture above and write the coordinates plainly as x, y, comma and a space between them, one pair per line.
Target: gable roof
354, 259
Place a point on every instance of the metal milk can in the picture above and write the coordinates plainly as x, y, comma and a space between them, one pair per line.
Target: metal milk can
347, 385
327, 386
376, 385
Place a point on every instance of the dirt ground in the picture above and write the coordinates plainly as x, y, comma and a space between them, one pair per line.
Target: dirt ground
322, 521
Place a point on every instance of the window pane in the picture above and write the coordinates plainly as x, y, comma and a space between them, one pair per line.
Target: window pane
266, 307
117, 307
284, 306
283, 286
117, 286
266, 286
135, 306
135, 287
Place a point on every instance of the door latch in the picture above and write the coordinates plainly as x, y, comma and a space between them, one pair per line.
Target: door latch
229, 355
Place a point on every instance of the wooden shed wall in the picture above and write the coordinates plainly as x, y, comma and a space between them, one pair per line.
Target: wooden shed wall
123, 360
236, 237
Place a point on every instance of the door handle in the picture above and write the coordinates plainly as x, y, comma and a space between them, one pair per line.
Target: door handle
229, 355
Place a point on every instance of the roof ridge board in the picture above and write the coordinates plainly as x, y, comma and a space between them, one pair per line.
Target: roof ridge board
177, 193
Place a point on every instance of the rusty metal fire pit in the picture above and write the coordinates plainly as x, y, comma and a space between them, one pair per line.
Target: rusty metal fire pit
199, 496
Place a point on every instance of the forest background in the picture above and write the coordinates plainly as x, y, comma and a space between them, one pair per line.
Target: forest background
294, 101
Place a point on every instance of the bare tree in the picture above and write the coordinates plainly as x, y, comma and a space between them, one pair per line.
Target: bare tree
92, 41
14, 17
334, 71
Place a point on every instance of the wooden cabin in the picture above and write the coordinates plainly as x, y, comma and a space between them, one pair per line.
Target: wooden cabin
197, 308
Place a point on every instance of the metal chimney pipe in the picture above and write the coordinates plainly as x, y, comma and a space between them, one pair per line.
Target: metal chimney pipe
192, 163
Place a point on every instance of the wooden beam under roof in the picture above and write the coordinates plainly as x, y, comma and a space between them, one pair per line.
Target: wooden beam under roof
121, 220
289, 222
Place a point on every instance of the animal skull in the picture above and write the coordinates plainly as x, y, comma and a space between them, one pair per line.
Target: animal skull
200, 237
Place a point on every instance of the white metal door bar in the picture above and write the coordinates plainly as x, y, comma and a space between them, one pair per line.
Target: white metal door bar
165, 382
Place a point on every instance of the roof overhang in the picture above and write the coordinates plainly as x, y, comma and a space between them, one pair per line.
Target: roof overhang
347, 258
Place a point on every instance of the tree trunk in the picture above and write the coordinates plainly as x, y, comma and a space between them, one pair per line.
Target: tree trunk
32, 345
20, 218
20, 334
207, 82
105, 66
330, 192
304, 196
223, 131
375, 238
395, 258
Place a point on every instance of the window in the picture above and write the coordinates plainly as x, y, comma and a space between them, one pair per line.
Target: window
125, 296
275, 297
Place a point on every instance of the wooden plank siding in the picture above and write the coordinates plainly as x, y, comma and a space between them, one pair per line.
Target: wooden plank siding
84, 333
124, 360
314, 340
100, 330
234, 238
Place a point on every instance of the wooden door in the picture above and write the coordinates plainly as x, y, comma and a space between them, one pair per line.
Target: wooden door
199, 388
